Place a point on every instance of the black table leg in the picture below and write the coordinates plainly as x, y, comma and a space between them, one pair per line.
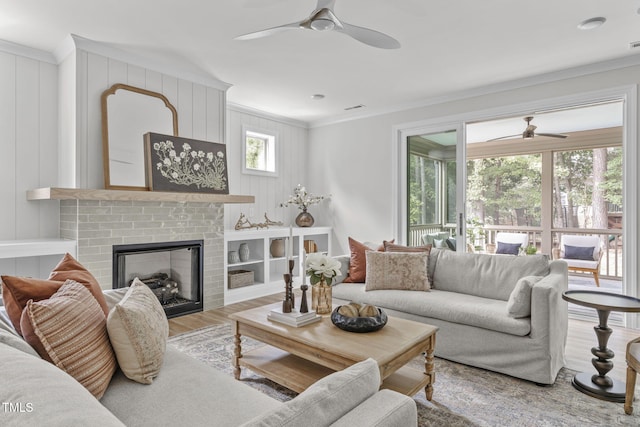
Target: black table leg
600, 385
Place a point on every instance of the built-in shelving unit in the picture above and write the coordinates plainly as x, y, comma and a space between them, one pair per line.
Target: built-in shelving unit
267, 269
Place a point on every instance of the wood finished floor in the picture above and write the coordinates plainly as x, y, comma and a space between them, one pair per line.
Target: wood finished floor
581, 336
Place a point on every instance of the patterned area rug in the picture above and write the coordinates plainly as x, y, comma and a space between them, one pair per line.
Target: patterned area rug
463, 395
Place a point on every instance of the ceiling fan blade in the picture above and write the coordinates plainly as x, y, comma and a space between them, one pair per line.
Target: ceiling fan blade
368, 36
504, 137
552, 135
268, 31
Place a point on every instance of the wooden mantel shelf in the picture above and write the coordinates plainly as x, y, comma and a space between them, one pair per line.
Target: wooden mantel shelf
52, 193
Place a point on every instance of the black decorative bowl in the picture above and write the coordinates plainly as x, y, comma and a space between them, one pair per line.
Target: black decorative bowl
359, 324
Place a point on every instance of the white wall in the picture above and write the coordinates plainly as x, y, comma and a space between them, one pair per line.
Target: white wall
201, 109
28, 149
269, 192
352, 160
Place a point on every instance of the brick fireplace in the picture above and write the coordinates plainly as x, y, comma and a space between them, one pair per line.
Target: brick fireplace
99, 219
98, 225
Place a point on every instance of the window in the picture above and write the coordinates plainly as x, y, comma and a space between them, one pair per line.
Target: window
259, 152
505, 190
431, 185
587, 188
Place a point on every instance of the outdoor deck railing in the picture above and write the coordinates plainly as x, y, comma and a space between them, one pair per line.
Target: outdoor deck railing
610, 266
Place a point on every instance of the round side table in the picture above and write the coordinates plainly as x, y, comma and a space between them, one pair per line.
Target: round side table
600, 385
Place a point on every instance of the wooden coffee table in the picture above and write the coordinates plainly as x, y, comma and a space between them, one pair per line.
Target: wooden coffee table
298, 357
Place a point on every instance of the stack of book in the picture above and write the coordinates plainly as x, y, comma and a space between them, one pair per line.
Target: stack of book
295, 318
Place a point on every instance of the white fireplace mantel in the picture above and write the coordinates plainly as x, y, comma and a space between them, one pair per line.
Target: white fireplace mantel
54, 193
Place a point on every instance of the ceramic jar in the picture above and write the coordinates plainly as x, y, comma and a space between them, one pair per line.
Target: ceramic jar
233, 257
244, 252
304, 219
277, 248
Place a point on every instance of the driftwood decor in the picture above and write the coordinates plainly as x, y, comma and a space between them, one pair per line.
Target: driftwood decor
243, 223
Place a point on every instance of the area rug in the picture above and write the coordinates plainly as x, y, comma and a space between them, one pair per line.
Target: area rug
463, 395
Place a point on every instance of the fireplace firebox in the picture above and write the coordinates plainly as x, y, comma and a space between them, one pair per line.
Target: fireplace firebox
172, 270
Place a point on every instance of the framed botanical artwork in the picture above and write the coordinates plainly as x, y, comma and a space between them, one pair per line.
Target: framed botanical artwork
185, 165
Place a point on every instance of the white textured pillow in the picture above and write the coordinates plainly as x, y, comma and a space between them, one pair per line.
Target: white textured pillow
327, 400
138, 330
439, 243
397, 270
519, 304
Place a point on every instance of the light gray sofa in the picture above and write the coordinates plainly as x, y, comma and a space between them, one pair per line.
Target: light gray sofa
469, 304
186, 392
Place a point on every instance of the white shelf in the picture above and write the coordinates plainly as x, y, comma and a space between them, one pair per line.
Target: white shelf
36, 247
239, 264
268, 270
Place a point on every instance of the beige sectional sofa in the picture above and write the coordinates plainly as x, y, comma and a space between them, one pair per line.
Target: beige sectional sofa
186, 392
469, 302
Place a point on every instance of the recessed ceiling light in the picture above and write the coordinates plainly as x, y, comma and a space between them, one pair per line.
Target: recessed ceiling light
590, 24
317, 96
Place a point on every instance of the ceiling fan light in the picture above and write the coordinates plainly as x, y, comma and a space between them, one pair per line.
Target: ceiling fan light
322, 24
527, 134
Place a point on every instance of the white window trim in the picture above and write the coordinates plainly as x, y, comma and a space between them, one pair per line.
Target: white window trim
631, 153
276, 151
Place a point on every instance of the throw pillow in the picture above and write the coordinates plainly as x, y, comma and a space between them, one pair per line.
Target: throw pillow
390, 247
16, 291
451, 243
579, 252
326, 401
358, 261
397, 270
69, 329
508, 248
439, 243
138, 330
519, 304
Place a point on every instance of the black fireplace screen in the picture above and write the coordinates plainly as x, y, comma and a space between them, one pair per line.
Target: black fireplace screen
172, 270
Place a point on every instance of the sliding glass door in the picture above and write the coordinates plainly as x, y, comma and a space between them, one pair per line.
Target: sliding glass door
432, 189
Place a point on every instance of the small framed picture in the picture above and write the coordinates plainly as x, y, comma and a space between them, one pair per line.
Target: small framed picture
185, 165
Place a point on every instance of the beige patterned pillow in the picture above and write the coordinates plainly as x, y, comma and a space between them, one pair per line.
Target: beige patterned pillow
70, 330
397, 270
138, 330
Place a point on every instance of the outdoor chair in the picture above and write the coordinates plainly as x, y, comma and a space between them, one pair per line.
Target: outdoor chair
581, 253
633, 367
508, 243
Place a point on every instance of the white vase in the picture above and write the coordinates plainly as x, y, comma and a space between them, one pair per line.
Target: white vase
233, 257
244, 252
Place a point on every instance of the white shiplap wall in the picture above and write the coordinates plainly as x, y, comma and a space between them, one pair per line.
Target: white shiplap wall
28, 149
201, 109
269, 192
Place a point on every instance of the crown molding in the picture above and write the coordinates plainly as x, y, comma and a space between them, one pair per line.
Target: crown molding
181, 70
263, 114
28, 52
573, 72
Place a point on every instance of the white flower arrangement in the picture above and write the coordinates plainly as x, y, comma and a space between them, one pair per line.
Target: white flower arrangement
302, 198
318, 266
191, 167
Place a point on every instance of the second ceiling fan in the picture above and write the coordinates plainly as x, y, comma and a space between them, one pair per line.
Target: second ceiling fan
530, 132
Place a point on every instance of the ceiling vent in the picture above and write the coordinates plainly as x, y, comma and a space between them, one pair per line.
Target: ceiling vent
354, 107
634, 45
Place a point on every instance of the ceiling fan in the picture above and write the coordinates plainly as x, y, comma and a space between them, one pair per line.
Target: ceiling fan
323, 19
529, 132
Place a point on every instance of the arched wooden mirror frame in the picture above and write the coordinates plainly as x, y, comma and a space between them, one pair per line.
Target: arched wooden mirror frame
135, 138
